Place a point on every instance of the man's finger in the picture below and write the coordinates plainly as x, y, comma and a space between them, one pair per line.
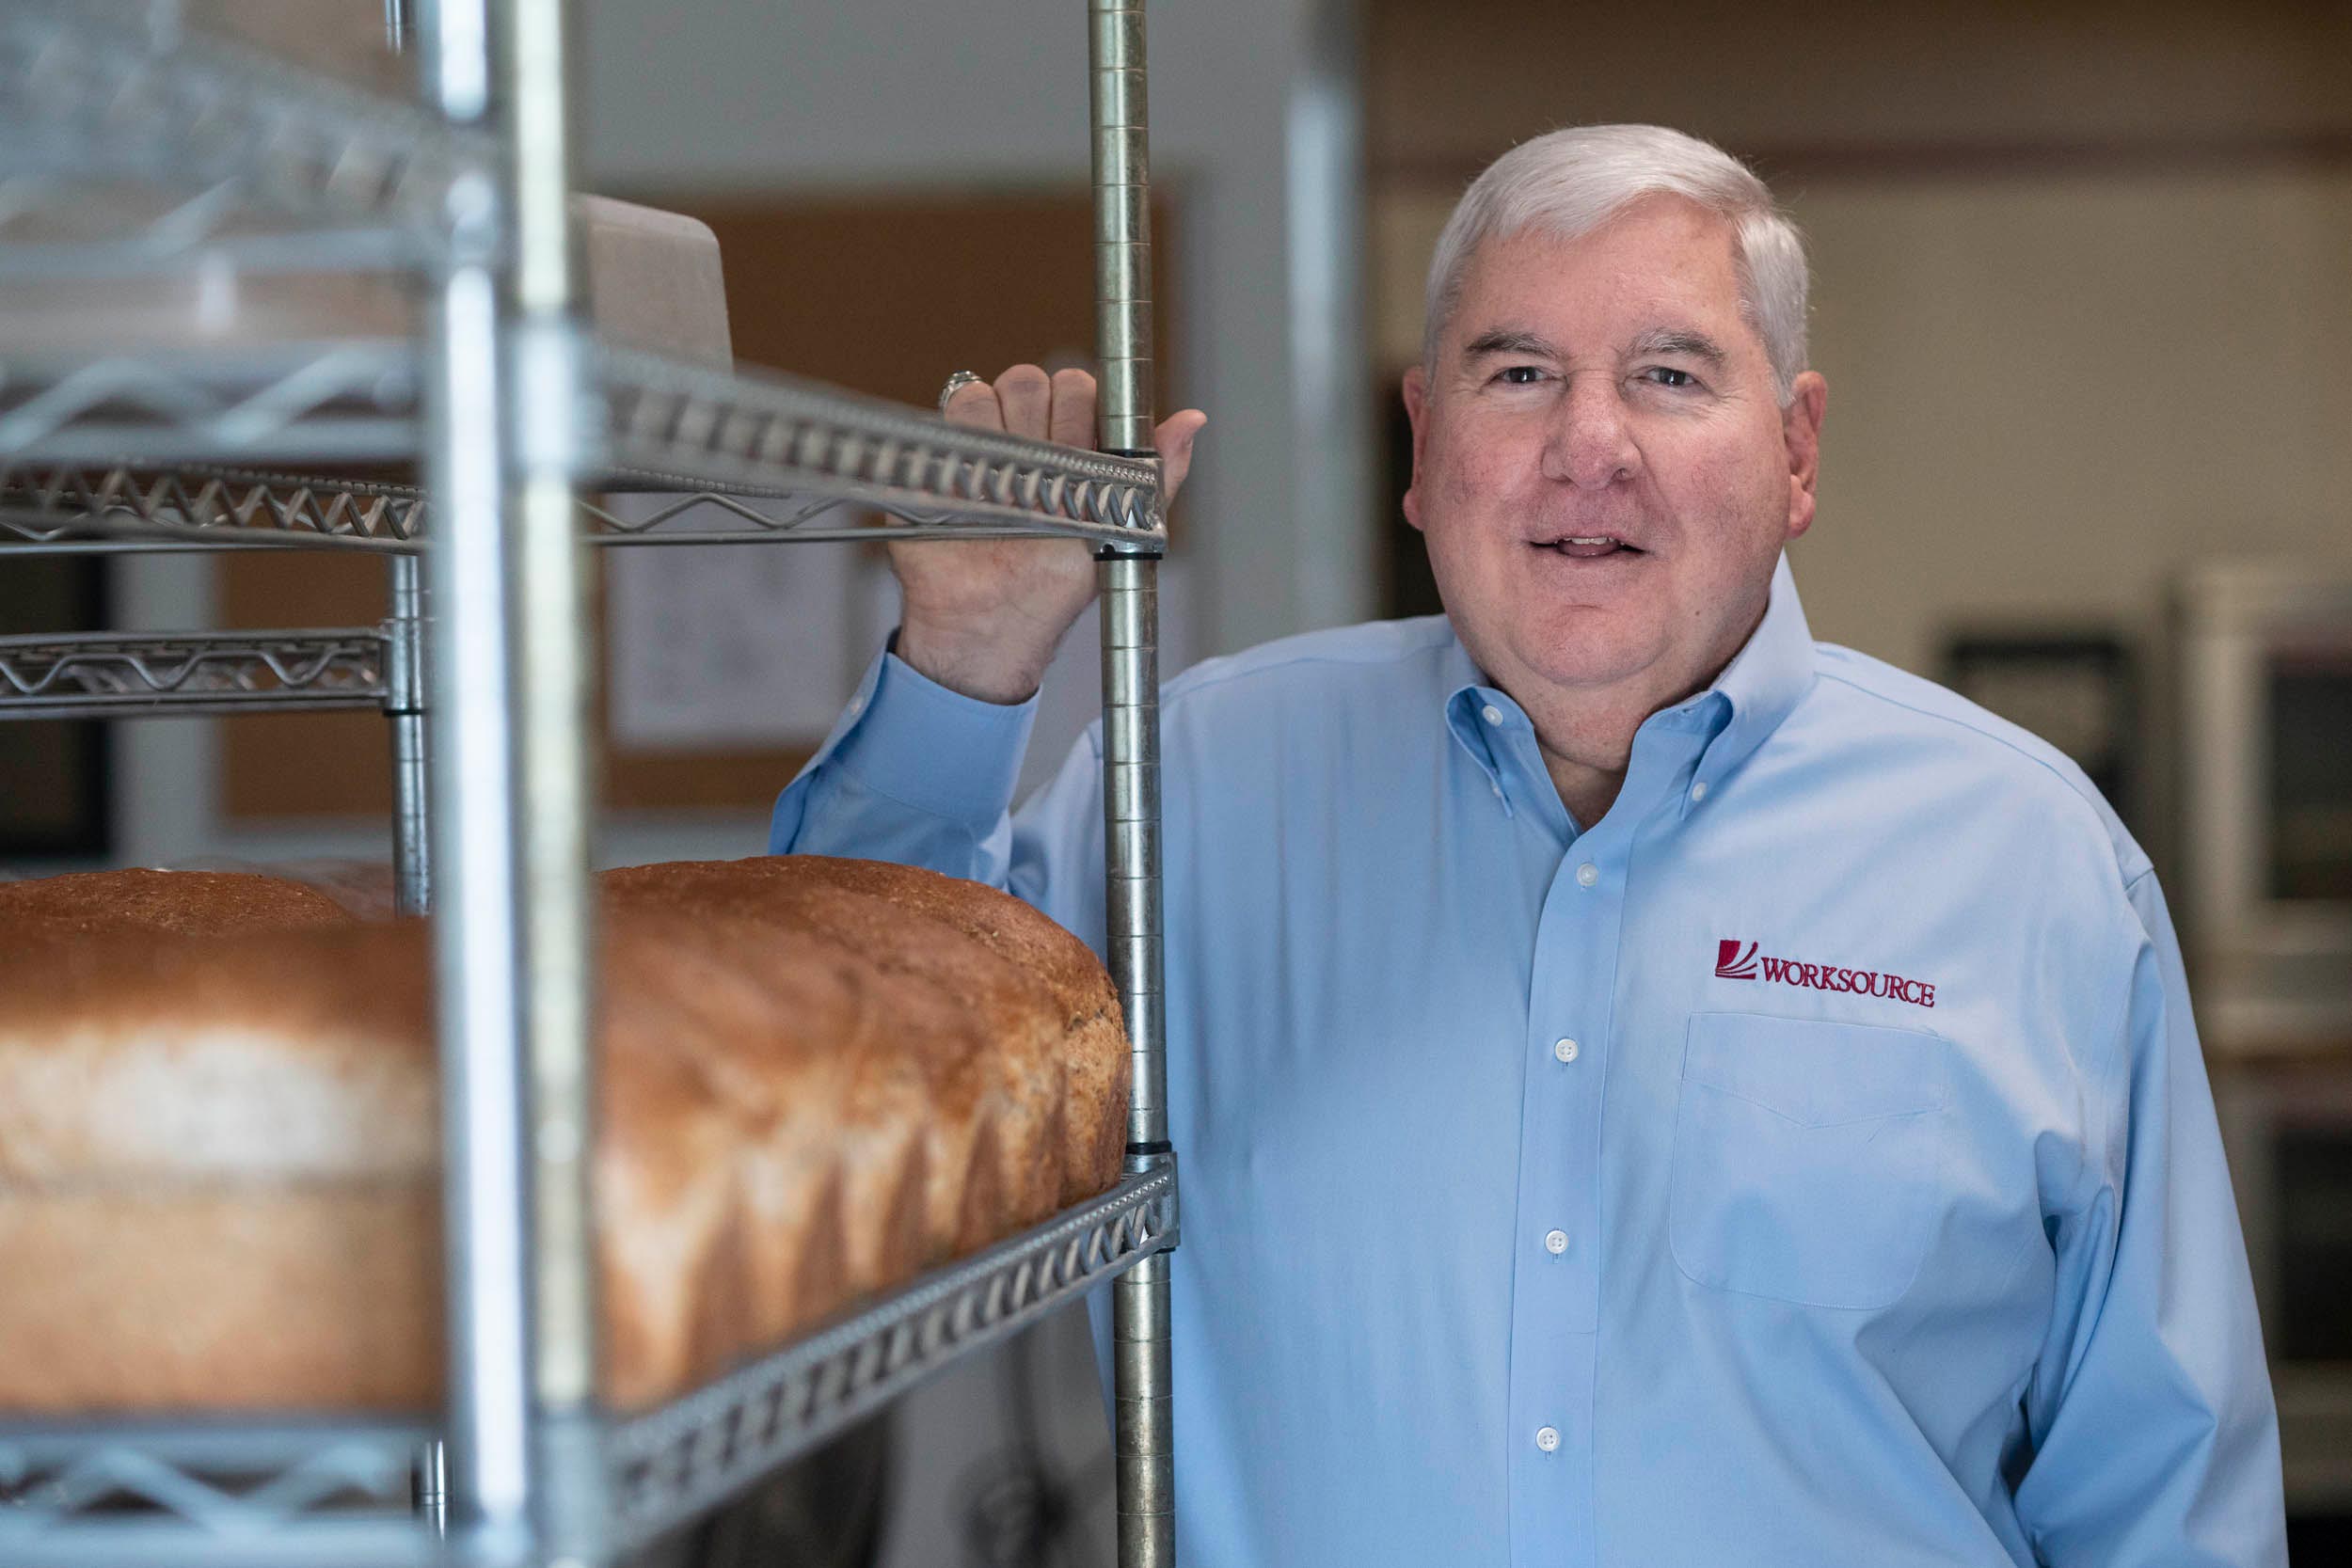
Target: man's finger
1027, 397
1173, 441
1071, 422
975, 404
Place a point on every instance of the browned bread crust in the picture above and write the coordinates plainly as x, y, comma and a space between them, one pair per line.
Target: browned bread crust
1096, 1064
1038, 992
186, 903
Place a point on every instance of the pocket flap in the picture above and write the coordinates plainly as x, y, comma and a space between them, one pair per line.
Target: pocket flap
1815, 1072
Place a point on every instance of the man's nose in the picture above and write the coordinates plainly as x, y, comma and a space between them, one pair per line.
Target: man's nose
1589, 445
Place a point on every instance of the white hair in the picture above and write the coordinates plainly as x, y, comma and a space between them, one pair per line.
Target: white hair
1567, 184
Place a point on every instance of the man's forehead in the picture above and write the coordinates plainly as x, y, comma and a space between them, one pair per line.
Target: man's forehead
1652, 237
1644, 275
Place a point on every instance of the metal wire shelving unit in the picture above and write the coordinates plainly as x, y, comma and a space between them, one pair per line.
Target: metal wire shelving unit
504, 423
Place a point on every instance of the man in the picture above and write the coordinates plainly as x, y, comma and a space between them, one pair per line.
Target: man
1651, 1090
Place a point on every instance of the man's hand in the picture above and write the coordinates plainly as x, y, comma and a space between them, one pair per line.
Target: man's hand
983, 617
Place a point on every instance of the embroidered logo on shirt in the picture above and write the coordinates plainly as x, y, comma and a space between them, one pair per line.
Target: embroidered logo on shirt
1737, 961
1734, 963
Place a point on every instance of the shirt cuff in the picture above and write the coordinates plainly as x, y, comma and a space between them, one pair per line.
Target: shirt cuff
937, 751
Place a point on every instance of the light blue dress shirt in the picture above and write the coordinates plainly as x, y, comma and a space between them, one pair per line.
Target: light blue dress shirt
1810, 1162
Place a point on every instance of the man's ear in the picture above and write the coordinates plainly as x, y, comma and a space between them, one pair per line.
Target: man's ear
1800, 432
1416, 390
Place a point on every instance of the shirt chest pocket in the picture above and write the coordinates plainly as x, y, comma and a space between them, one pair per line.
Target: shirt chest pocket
1806, 1157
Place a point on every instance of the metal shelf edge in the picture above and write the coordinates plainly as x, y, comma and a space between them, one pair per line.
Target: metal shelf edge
228, 1493
673, 1464
125, 674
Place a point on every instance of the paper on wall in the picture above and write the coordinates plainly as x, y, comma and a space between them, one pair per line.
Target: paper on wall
729, 647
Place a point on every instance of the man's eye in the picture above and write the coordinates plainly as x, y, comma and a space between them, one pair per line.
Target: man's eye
1521, 375
1666, 375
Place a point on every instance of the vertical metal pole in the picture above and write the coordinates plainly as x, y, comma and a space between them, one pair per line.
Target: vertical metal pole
1123, 224
477, 936
1143, 1442
404, 707
428, 1484
1143, 1439
405, 711
1131, 805
552, 419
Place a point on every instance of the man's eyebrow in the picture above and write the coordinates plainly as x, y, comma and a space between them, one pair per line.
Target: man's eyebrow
1499, 339
1677, 342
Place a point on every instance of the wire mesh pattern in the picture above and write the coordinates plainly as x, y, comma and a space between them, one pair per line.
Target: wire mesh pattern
106, 88
48, 504
230, 1493
101, 673
53, 228
732, 519
685, 1458
673, 427
328, 402
66, 510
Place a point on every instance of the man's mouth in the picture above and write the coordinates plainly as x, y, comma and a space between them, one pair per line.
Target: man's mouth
1588, 546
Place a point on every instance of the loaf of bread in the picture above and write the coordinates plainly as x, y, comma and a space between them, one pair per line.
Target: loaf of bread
218, 1157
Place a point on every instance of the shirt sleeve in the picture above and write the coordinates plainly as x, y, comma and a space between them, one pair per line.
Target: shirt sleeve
912, 772
2155, 1438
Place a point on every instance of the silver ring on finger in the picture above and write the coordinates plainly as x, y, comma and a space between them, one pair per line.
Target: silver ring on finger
955, 383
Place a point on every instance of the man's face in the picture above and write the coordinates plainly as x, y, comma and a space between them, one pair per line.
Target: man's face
1601, 466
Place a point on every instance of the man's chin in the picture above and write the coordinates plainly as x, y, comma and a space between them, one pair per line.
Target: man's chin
1585, 666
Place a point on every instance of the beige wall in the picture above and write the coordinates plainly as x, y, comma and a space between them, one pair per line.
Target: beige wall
2048, 394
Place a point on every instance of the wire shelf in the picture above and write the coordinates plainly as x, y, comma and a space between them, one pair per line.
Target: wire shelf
78, 230
59, 507
673, 1464
97, 88
322, 403
679, 428
771, 453
211, 1495
116, 675
262, 1495
227, 158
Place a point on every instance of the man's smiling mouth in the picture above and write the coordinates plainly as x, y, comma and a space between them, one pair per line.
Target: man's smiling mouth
1588, 546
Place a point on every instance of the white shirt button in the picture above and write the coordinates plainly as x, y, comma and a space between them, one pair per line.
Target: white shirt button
1564, 1050
1548, 1438
1490, 713
1587, 874
1698, 791
1555, 1241
1496, 787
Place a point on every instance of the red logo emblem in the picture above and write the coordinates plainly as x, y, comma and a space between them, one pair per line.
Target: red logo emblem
1736, 960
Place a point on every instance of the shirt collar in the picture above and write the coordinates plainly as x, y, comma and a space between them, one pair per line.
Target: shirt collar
1762, 685
1766, 680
